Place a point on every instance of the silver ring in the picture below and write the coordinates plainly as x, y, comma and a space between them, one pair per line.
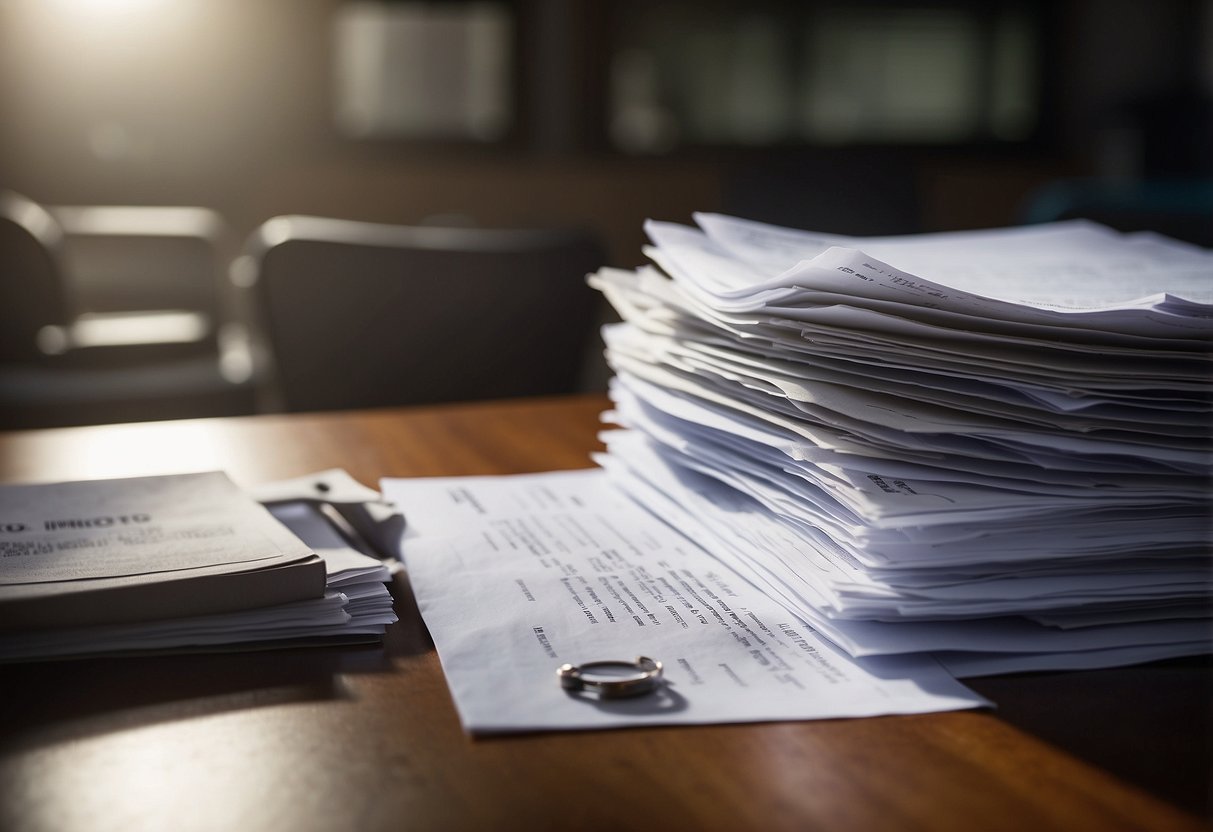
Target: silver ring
581, 677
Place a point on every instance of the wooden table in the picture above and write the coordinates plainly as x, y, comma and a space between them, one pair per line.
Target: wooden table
367, 738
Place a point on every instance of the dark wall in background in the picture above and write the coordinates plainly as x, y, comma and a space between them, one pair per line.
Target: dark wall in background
228, 104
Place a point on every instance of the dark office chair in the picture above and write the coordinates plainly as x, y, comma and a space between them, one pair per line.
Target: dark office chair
32, 296
357, 314
60, 366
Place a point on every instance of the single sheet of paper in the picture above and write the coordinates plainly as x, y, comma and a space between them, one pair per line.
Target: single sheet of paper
516, 576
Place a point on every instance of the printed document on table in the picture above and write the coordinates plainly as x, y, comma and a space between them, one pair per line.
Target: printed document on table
518, 575
115, 528
353, 605
77, 554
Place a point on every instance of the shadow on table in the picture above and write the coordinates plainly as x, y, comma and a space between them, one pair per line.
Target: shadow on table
53, 701
660, 703
1151, 725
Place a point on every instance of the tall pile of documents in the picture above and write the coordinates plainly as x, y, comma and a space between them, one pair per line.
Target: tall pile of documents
992, 446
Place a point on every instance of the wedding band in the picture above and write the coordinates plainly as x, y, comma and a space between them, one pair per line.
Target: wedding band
645, 680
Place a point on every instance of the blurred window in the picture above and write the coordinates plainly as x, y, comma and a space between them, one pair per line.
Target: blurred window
424, 70
823, 73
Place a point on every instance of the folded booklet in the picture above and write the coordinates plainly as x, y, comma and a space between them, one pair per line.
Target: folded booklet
189, 563
143, 549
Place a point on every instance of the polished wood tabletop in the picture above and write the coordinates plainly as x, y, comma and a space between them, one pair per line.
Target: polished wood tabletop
366, 738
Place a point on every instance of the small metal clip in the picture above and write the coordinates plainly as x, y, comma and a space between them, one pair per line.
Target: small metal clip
583, 677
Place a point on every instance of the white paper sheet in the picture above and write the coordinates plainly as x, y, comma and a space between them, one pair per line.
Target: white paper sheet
1075, 264
515, 576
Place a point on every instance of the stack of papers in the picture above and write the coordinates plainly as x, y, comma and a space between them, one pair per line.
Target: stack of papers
175, 563
992, 446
